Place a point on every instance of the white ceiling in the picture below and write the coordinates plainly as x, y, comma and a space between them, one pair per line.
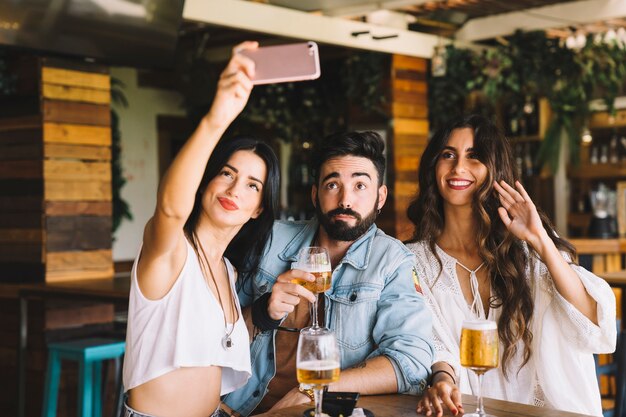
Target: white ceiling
382, 25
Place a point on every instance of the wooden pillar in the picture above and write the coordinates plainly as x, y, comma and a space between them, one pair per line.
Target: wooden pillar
55, 173
409, 111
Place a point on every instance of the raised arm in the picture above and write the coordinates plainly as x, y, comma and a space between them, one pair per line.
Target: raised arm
520, 216
164, 249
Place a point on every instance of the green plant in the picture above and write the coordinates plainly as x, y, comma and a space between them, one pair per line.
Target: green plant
121, 209
295, 112
529, 65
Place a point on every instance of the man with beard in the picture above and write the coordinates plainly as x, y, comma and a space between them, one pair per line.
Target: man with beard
374, 306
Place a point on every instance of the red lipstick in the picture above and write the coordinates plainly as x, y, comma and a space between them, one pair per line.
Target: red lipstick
227, 204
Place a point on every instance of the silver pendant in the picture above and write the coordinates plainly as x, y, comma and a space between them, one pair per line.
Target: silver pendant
227, 342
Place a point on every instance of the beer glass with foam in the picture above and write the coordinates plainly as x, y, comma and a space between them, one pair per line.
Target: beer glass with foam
315, 260
317, 362
479, 352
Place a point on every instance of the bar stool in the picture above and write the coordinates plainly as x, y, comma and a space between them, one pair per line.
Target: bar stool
89, 353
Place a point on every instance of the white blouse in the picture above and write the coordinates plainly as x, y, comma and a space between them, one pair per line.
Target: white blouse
561, 370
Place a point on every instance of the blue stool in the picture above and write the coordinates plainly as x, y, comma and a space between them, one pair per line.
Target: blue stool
89, 353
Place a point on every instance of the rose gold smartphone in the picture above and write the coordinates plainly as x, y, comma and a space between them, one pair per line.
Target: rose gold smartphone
284, 63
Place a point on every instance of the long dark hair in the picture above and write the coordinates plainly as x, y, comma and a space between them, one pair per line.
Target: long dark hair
246, 248
504, 255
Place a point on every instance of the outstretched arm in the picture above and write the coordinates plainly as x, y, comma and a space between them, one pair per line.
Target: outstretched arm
519, 215
164, 248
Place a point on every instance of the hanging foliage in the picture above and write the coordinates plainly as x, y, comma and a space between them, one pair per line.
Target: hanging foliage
295, 112
528, 66
121, 209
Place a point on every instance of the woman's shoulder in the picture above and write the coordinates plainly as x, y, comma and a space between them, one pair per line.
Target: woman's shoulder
419, 248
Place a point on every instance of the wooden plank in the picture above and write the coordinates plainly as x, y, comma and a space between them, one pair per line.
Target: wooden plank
76, 113
80, 260
407, 74
21, 187
596, 246
57, 190
68, 208
23, 136
67, 233
20, 252
79, 275
21, 169
406, 163
410, 126
73, 64
21, 236
414, 111
83, 95
410, 98
401, 140
21, 272
21, 204
54, 169
408, 86
82, 152
21, 220
75, 78
404, 189
76, 134
17, 152
18, 123
409, 62
407, 176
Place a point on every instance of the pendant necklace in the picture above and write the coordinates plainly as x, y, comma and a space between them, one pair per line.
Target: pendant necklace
227, 342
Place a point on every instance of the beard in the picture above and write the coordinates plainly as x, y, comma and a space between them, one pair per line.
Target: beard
340, 230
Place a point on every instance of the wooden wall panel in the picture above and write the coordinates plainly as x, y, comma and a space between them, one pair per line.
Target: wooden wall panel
55, 176
410, 133
77, 134
83, 152
76, 113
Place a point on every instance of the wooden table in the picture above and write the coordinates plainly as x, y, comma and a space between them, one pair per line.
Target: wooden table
404, 406
113, 290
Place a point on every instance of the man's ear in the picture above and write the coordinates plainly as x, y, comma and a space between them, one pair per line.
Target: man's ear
382, 196
314, 195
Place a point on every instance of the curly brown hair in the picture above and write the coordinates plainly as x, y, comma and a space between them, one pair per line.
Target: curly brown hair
506, 257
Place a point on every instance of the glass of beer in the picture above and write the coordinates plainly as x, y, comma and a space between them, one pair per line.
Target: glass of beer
317, 362
479, 352
315, 260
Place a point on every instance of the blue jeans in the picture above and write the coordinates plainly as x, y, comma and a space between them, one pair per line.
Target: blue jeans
129, 412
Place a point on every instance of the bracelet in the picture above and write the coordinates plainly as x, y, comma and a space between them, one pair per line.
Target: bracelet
260, 316
442, 371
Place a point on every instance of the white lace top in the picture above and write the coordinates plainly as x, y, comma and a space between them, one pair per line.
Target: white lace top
561, 371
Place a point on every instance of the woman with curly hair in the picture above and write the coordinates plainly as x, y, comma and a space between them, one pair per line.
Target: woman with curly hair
484, 251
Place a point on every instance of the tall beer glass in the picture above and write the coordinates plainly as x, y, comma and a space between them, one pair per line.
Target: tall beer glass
479, 352
317, 362
315, 260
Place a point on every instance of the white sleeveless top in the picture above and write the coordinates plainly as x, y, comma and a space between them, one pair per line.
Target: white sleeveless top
185, 328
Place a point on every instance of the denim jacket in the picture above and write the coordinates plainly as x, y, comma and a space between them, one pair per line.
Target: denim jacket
372, 306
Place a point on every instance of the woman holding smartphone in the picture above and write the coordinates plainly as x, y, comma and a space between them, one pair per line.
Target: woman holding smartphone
484, 251
187, 342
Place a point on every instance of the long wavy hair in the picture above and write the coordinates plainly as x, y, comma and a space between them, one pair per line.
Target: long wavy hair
246, 248
506, 257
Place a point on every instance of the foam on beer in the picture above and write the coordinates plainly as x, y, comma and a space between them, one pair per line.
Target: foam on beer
317, 365
311, 269
480, 325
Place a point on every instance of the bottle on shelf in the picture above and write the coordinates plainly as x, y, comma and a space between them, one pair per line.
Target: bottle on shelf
614, 149
528, 161
604, 154
593, 159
